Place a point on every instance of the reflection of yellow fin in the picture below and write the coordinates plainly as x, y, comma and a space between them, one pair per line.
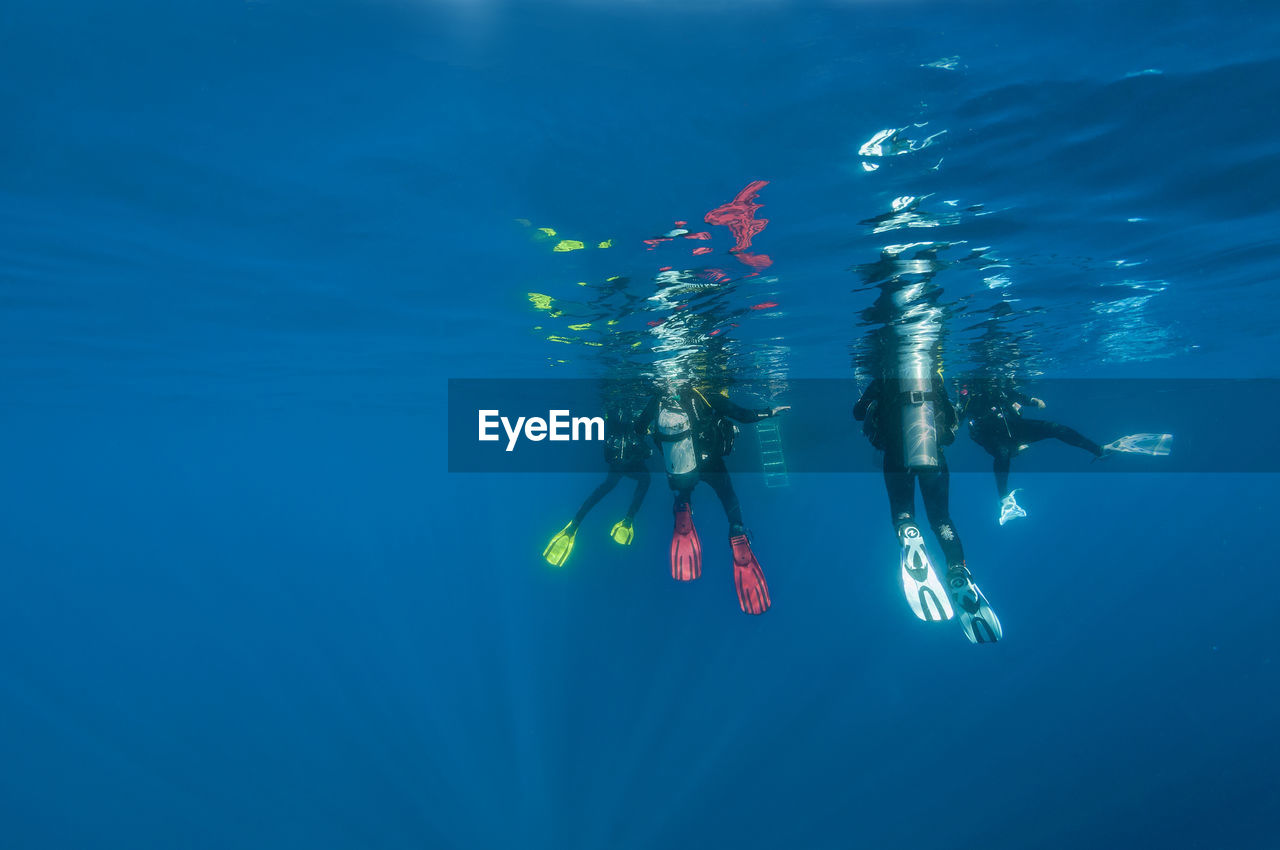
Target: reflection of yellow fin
568, 245
547, 232
608, 243
540, 301
524, 222
581, 327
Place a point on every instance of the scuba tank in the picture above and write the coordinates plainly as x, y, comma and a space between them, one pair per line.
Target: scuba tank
919, 427
675, 432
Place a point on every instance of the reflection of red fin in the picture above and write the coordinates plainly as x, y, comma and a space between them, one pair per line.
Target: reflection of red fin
664, 268
756, 261
701, 234
739, 215
764, 305
680, 223
703, 250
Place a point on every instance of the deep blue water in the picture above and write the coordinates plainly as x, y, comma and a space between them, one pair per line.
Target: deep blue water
243, 246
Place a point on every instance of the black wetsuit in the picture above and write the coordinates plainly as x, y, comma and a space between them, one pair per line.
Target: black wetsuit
882, 418
996, 424
712, 439
626, 454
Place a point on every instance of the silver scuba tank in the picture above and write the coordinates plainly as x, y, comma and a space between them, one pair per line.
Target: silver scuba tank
677, 444
919, 426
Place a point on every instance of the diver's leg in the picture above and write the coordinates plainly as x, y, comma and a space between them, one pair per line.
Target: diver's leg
610, 481
925, 593
748, 577
979, 622
900, 487
623, 531
683, 497
935, 489
686, 548
717, 476
1000, 466
1035, 430
561, 546
642, 479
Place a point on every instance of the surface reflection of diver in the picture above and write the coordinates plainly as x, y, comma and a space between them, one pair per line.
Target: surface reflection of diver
695, 434
910, 419
993, 410
625, 451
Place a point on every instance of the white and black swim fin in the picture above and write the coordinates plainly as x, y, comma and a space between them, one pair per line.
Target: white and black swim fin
979, 621
925, 594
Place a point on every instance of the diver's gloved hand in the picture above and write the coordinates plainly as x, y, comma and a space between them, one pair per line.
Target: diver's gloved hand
1038, 403
782, 408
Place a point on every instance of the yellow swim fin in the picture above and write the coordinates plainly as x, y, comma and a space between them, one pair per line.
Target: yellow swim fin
622, 532
561, 546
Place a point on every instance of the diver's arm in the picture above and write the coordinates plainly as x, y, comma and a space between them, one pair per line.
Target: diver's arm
950, 416
646, 417
1018, 396
869, 395
739, 413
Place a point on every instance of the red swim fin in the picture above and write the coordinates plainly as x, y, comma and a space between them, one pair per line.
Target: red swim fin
686, 549
753, 592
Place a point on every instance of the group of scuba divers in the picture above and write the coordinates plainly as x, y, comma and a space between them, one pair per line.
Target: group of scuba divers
909, 419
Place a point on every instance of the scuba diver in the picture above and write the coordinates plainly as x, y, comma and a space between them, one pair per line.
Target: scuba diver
907, 415
993, 409
694, 433
625, 451
910, 419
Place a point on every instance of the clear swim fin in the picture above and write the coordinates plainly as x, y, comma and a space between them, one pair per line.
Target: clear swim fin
920, 583
1009, 508
979, 621
1159, 445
